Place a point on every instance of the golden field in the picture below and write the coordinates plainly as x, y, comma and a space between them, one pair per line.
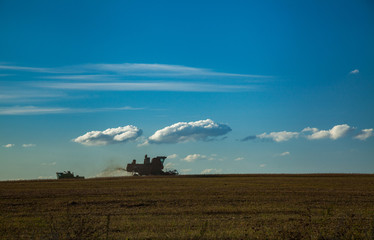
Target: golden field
314, 206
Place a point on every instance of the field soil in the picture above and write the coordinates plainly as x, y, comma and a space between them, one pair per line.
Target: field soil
319, 206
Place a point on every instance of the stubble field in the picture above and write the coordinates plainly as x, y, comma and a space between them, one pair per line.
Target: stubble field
190, 207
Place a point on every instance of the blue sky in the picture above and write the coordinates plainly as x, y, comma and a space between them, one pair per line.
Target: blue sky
218, 86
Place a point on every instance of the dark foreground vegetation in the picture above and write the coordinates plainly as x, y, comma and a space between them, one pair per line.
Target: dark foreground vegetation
190, 207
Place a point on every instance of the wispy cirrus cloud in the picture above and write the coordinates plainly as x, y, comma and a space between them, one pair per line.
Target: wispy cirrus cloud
132, 69
85, 77
67, 80
161, 70
147, 86
35, 110
20, 94
29, 110
21, 68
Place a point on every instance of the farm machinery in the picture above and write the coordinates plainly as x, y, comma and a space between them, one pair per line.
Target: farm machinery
149, 167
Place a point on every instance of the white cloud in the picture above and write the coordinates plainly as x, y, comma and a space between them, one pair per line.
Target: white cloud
132, 69
262, 165
27, 145
365, 134
354, 71
211, 171
334, 133
13, 95
172, 156
9, 145
279, 136
90, 77
284, 154
239, 159
26, 110
109, 136
309, 129
32, 110
161, 70
49, 164
27, 69
193, 157
189, 131
166, 86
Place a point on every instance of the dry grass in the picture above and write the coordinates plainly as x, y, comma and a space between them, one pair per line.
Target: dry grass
190, 207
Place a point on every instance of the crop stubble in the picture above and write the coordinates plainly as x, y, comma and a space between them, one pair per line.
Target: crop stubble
319, 206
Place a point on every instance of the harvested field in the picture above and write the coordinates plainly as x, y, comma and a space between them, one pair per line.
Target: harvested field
319, 206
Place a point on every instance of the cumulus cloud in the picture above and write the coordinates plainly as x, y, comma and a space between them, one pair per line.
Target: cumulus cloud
309, 129
172, 156
203, 130
334, 133
262, 165
193, 157
284, 154
211, 171
279, 136
365, 134
354, 71
27, 145
239, 159
109, 136
9, 145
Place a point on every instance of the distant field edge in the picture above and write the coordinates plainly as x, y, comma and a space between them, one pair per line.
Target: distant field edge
208, 176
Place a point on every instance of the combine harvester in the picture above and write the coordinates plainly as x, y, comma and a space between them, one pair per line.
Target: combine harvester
154, 167
67, 175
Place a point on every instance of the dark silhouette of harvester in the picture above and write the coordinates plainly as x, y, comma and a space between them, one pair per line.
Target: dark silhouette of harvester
67, 174
154, 167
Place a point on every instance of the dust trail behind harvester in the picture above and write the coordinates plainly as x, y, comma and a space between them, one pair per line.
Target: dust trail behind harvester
113, 171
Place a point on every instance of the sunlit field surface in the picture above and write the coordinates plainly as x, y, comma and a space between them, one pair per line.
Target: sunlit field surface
190, 207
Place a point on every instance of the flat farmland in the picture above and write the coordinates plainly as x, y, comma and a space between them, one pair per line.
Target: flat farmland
315, 206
